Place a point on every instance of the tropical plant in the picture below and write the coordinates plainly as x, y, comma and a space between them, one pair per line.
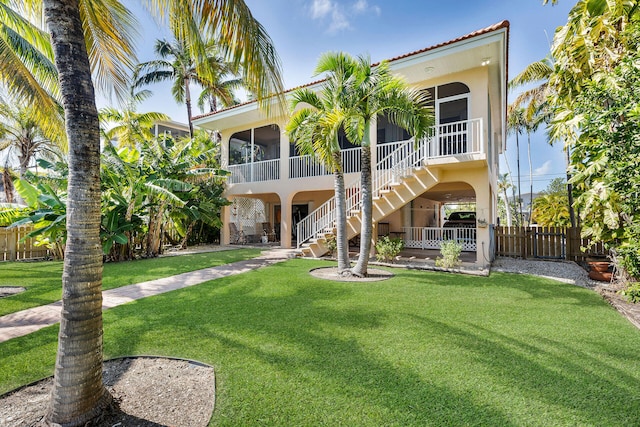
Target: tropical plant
370, 92
503, 186
127, 126
94, 35
47, 211
218, 89
27, 70
551, 210
22, 137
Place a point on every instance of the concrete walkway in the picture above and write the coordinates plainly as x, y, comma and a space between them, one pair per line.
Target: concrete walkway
26, 321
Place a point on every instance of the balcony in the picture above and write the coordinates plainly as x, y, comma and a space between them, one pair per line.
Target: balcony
446, 140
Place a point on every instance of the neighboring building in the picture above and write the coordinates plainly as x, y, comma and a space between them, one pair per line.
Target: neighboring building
271, 186
170, 128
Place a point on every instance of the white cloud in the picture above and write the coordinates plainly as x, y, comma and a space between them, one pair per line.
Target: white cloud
544, 169
339, 22
339, 16
321, 8
362, 6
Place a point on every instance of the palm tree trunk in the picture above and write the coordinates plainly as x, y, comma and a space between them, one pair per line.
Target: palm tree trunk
7, 183
519, 202
507, 207
530, 176
187, 100
341, 216
572, 212
78, 392
366, 229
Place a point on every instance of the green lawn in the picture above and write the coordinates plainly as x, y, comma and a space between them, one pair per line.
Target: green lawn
43, 279
421, 349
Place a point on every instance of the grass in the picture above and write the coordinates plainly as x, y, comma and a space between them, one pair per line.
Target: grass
43, 279
421, 349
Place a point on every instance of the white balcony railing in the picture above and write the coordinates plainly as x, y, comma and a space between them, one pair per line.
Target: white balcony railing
449, 139
265, 170
432, 237
308, 166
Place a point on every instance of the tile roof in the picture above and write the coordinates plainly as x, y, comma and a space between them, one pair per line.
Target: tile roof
486, 30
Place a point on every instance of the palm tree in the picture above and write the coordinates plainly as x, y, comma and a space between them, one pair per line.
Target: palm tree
21, 135
128, 126
315, 127
94, 34
175, 64
516, 125
370, 92
503, 186
79, 356
218, 89
27, 69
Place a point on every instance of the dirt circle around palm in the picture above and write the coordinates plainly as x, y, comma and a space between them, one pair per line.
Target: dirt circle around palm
148, 391
331, 273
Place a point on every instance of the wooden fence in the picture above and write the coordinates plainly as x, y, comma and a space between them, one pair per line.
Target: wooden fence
544, 243
12, 248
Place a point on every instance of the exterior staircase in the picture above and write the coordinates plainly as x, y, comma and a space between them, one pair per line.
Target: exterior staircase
397, 179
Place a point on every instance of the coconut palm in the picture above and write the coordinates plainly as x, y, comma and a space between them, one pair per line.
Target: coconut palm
128, 126
27, 70
93, 35
515, 126
503, 186
218, 89
175, 64
21, 136
315, 128
370, 92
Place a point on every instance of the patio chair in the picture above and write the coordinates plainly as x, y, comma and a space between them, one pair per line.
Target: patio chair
236, 236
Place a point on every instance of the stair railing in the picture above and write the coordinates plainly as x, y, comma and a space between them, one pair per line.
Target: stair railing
388, 170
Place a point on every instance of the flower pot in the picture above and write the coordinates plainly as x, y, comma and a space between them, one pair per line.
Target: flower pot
602, 276
599, 266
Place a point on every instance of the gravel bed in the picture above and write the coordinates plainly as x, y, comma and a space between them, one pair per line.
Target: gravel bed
563, 271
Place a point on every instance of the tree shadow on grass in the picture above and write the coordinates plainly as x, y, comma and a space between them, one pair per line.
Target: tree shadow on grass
292, 350
297, 343
588, 390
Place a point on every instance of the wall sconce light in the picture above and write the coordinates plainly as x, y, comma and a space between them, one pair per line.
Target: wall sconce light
482, 223
485, 62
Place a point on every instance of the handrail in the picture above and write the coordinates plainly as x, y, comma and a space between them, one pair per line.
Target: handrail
463, 137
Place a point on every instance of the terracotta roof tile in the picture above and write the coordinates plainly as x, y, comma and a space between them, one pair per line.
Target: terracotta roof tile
489, 29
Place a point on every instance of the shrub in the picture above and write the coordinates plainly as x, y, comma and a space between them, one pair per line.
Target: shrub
450, 251
387, 249
632, 292
332, 245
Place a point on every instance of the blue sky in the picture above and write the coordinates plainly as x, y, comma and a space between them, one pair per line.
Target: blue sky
303, 29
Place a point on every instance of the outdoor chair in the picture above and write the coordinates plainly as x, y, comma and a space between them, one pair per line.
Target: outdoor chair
236, 236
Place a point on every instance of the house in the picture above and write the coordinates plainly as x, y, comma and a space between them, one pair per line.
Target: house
278, 194
176, 130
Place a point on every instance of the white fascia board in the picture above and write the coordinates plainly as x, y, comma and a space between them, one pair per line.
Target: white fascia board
497, 36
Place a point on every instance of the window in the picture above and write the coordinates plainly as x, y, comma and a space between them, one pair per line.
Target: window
254, 145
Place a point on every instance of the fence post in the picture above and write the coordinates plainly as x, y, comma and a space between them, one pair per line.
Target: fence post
12, 244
